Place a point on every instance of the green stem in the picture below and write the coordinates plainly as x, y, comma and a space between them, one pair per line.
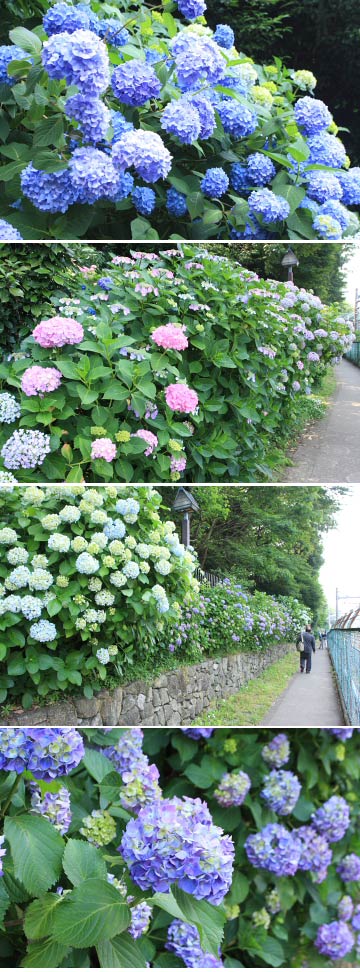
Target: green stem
11, 794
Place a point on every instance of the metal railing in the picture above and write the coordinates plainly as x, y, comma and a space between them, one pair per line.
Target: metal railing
207, 578
353, 353
345, 655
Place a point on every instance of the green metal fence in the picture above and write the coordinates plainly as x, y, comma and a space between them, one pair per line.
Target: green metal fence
345, 656
353, 354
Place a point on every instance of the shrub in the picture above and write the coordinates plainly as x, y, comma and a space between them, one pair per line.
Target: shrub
254, 348
227, 148
88, 578
90, 840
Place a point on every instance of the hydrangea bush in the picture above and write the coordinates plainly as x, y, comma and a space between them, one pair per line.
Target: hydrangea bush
88, 578
166, 365
194, 866
144, 123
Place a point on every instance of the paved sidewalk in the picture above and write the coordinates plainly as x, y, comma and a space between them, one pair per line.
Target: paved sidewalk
309, 700
331, 451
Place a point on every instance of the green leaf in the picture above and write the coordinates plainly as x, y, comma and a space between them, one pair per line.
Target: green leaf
83, 861
26, 39
4, 901
208, 919
195, 203
90, 914
39, 916
50, 132
121, 952
97, 765
141, 229
44, 955
37, 850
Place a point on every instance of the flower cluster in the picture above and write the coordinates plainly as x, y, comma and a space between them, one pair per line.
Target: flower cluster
46, 753
184, 940
233, 789
54, 806
277, 751
281, 791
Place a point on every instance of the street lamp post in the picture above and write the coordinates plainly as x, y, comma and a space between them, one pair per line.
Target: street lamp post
185, 503
289, 261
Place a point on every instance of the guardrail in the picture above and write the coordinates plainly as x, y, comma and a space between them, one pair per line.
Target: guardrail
345, 655
207, 578
353, 353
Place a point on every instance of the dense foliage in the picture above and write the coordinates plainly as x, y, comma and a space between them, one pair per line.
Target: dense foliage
219, 147
130, 378
271, 538
95, 585
111, 860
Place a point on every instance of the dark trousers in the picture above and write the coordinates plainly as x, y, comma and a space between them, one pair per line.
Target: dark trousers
305, 659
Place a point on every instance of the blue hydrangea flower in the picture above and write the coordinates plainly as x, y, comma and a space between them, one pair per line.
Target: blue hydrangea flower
62, 17
10, 409
114, 529
93, 175
197, 59
206, 114
176, 203
281, 791
26, 449
113, 33
176, 841
145, 151
342, 216
264, 203
312, 115
127, 752
239, 177
184, 940
8, 232
232, 789
134, 82
349, 868
342, 734
323, 186
260, 169
54, 806
238, 120
140, 919
119, 125
144, 200
327, 227
350, 183
80, 58
124, 187
224, 36
180, 118
335, 940
316, 855
274, 848
326, 149
309, 204
47, 753
198, 733
51, 192
191, 8
332, 819
93, 116
43, 631
9, 53
215, 183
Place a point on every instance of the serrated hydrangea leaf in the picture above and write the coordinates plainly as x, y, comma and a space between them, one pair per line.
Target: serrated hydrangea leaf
121, 952
97, 765
37, 851
40, 915
4, 901
44, 955
208, 919
83, 861
90, 914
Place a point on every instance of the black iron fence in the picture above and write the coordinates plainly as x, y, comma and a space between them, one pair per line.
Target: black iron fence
205, 577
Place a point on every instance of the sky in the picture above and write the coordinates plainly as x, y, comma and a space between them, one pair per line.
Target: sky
341, 553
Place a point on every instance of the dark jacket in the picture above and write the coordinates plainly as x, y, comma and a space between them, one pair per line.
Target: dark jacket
308, 641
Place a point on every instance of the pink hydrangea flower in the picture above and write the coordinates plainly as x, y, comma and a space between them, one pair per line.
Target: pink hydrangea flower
103, 449
150, 438
170, 336
37, 380
177, 465
57, 331
180, 398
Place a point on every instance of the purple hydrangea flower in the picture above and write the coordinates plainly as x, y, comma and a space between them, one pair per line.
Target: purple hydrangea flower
335, 940
198, 733
127, 752
176, 841
232, 789
145, 151
184, 940
349, 868
356, 918
274, 848
26, 449
277, 751
134, 82
281, 791
345, 908
316, 855
47, 753
332, 819
140, 785
140, 919
54, 806
52, 192
342, 734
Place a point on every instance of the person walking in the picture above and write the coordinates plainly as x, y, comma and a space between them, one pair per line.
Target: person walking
309, 646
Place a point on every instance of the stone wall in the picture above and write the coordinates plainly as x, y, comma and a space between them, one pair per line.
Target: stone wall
173, 698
